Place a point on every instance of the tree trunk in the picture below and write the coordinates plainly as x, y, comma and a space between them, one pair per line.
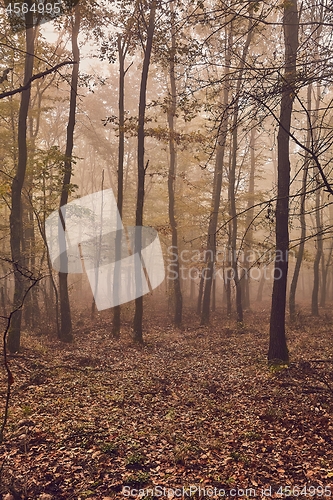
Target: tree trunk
200, 294
214, 294
16, 223
31, 306
232, 178
318, 256
278, 351
318, 216
329, 278
178, 298
138, 316
65, 332
122, 51
217, 186
324, 277
293, 286
233, 225
248, 239
228, 278
192, 288
261, 288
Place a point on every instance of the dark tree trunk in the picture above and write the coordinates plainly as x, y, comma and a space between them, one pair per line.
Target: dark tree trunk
318, 257
217, 186
233, 224
26, 250
232, 180
293, 286
323, 285
201, 289
122, 51
248, 239
325, 277
178, 298
228, 278
65, 332
31, 306
233, 228
329, 274
214, 295
318, 216
278, 351
138, 315
16, 223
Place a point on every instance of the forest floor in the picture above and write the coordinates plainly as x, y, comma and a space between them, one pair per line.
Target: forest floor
192, 413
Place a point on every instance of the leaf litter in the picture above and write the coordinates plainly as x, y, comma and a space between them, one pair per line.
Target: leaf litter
193, 406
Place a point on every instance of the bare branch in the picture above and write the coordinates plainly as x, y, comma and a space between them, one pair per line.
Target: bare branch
35, 77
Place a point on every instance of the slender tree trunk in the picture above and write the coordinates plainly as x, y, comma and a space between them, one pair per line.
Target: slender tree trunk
54, 294
200, 294
99, 250
318, 257
232, 180
217, 186
122, 51
329, 275
228, 274
293, 286
324, 277
192, 289
172, 174
228, 278
65, 333
138, 315
27, 254
31, 306
16, 223
318, 216
278, 351
248, 240
261, 288
299, 260
214, 294
233, 226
